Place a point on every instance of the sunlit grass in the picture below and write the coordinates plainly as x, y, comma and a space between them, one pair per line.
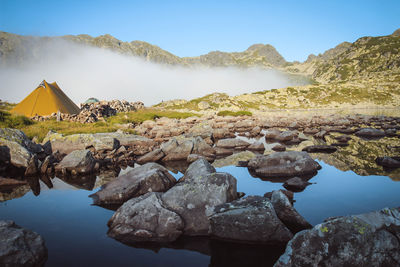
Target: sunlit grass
233, 113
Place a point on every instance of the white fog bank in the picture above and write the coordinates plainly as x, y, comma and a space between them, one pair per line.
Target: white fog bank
84, 72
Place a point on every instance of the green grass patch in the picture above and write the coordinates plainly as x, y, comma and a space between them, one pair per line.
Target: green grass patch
233, 113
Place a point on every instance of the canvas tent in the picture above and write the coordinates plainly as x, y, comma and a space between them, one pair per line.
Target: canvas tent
47, 98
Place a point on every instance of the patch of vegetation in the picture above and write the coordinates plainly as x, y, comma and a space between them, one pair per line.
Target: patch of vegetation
233, 113
112, 124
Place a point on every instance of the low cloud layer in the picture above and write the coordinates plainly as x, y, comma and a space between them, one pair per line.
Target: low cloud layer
84, 72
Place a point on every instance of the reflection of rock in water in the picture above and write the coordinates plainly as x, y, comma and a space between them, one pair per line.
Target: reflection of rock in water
360, 156
80, 182
234, 254
222, 253
16, 192
106, 176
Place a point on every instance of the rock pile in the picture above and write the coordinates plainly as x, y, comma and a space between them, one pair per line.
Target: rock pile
97, 111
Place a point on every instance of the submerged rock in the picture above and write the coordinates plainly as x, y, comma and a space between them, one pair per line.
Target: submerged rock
284, 164
370, 239
150, 177
145, 219
251, 219
296, 184
20, 247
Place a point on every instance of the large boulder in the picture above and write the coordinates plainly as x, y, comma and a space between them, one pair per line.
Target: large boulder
78, 162
145, 219
370, 239
287, 214
251, 219
195, 197
200, 147
284, 164
69, 143
150, 177
20, 247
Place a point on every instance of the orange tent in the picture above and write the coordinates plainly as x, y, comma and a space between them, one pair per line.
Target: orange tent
47, 98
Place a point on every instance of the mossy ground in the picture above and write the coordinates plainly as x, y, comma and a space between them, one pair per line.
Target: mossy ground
233, 113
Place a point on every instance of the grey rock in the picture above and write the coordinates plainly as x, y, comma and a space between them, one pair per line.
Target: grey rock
152, 156
370, 239
194, 198
145, 219
284, 164
388, 162
77, 162
19, 156
33, 166
257, 146
150, 177
287, 214
20, 138
20, 247
251, 219
232, 143
181, 152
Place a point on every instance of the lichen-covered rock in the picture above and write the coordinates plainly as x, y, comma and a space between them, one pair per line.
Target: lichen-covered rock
20, 247
145, 219
251, 219
150, 177
69, 143
284, 164
195, 197
370, 239
15, 154
287, 214
78, 162
20, 138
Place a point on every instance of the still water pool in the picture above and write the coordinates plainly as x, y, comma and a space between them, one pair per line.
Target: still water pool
75, 231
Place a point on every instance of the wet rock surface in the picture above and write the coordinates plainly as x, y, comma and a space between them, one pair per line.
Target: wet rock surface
20, 247
370, 239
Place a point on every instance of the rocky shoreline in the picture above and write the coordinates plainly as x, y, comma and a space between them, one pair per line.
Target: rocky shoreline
153, 207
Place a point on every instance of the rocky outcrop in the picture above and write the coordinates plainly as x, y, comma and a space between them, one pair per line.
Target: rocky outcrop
20, 138
370, 239
145, 219
284, 164
69, 143
20, 247
78, 162
194, 198
251, 219
150, 177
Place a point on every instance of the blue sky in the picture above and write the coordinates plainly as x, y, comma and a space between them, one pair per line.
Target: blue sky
190, 28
